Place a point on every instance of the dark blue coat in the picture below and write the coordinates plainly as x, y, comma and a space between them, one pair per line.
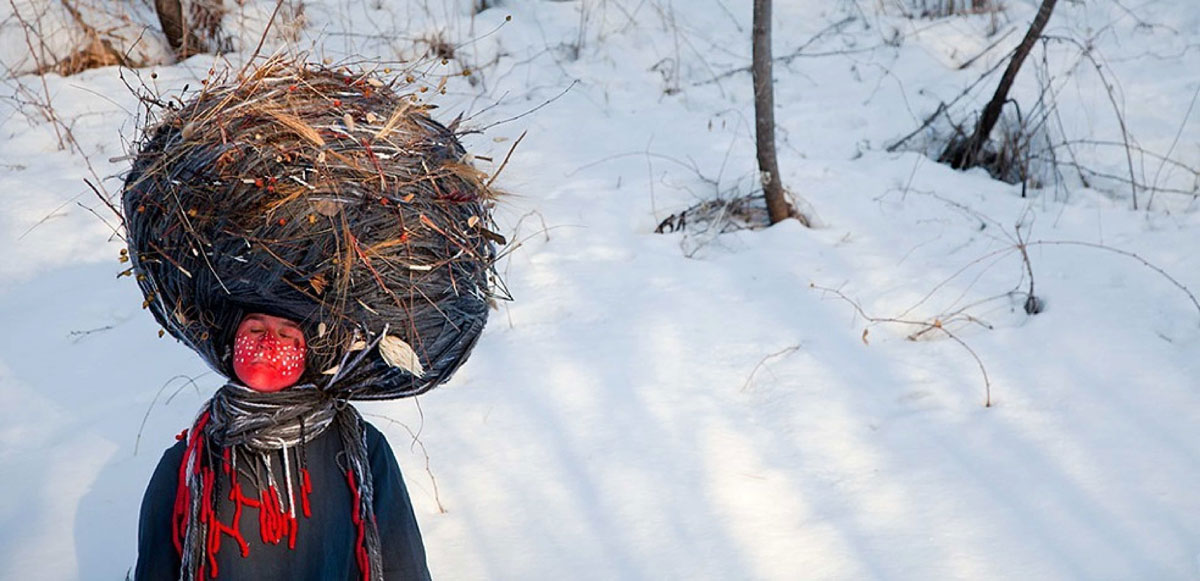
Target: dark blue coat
324, 542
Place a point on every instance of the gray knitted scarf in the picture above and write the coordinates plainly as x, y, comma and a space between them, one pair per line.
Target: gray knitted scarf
243, 431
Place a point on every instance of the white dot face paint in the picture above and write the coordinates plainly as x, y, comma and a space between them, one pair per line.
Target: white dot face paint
268, 352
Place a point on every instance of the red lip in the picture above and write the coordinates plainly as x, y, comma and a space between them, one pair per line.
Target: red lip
261, 362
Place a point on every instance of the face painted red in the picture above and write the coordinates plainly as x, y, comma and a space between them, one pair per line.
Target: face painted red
268, 352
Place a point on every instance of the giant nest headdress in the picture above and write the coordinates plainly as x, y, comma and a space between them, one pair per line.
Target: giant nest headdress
324, 197
334, 200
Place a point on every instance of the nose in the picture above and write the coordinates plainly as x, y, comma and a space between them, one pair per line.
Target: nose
269, 339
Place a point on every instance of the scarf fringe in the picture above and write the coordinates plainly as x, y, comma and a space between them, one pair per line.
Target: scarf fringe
241, 430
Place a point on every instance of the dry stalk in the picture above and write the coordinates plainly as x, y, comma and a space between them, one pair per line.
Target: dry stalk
1163, 273
48, 107
1167, 156
535, 109
504, 163
763, 361
261, 39
1108, 90
98, 52
188, 380
416, 441
937, 324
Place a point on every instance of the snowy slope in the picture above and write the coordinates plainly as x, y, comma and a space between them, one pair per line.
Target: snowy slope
683, 406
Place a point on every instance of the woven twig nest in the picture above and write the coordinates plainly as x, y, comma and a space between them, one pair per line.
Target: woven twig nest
325, 197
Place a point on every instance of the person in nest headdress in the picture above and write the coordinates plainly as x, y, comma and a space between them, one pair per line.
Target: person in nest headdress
316, 238
280, 490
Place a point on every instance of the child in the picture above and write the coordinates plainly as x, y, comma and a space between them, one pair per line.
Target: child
316, 237
276, 481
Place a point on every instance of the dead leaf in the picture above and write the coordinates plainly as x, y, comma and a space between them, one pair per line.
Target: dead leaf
328, 208
397, 353
494, 237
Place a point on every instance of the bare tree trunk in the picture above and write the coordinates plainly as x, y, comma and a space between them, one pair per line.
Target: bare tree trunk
961, 155
190, 36
764, 114
170, 18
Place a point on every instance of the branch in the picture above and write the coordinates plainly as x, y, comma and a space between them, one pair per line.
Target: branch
926, 326
761, 362
1132, 255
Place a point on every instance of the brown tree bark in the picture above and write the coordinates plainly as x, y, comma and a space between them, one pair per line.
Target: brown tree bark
170, 18
962, 155
190, 36
764, 114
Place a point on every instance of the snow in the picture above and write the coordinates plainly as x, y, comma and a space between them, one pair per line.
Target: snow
686, 405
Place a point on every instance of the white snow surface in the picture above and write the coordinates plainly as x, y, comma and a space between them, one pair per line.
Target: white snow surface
688, 406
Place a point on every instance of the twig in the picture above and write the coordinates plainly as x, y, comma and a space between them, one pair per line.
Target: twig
648, 154
1086, 53
504, 163
116, 232
1132, 255
145, 417
999, 253
112, 207
534, 110
416, 441
761, 362
48, 111
1099, 174
53, 213
1165, 159
545, 231
1108, 89
795, 54
987, 382
926, 326
946, 106
967, 63
437, 497
1174, 142
91, 31
261, 39
77, 336
1033, 305
928, 121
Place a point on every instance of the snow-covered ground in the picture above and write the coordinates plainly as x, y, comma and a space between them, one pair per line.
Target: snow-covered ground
684, 406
